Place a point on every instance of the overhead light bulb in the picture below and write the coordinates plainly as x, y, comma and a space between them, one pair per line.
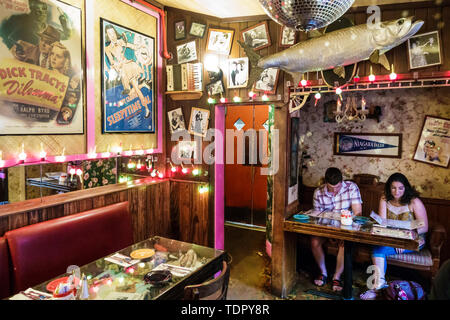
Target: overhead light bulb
251, 94
237, 99
303, 83
338, 91
211, 100
318, 96
223, 100
265, 97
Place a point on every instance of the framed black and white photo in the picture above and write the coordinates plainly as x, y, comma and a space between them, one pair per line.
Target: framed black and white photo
257, 36
424, 50
237, 73
180, 30
287, 37
267, 81
187, 150
197, 29
187, 52
219, 41
176, 120
198, 125
214, 88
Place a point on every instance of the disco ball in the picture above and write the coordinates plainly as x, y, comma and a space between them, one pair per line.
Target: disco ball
305, 15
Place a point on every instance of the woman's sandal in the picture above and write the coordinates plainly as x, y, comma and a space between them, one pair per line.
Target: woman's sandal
337, 285
322, 278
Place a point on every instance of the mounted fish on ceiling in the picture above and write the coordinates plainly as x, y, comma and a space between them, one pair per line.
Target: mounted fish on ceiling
337, 49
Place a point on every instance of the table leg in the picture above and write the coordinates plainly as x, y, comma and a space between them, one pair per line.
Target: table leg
348, 271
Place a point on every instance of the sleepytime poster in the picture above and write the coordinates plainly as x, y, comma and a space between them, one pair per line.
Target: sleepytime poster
41, 88
128, 86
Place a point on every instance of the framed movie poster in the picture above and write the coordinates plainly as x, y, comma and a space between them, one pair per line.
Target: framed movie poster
198, 125
433, 146
238, 73
128, 86
383, 145
41, 68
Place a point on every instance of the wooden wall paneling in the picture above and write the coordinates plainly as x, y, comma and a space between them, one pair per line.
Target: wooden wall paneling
445, 38
361, 18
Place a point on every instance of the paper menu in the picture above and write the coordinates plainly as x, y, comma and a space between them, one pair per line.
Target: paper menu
395, 233
409, 225
121, 260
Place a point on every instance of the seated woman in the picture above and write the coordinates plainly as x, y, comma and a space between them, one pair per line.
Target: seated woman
399, 202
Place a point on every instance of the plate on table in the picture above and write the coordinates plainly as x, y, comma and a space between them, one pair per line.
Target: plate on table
301, 217
51, 286
142, 253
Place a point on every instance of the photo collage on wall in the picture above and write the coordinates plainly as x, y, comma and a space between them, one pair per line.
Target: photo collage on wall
41, 83
219, 44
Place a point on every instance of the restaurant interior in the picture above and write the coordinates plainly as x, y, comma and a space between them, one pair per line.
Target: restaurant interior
188, 150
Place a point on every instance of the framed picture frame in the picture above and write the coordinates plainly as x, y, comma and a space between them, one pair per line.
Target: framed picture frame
219, 41
198, 124
187, 52
186, 150
57, 106
237, 74
128, 105
197, 29
424, 50
267, 81
257, 36
433, 146
176, 120
288, 37
215, 88
382, 145
180, 30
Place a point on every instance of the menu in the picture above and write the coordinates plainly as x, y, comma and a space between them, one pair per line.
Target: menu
409, 225
395, 233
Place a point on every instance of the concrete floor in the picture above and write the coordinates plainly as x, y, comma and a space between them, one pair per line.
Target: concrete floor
250, 273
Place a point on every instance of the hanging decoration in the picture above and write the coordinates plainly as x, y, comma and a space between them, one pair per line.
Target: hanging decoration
351, 112
305, 15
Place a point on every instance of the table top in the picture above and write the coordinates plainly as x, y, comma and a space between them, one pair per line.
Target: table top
363, 232
111, 281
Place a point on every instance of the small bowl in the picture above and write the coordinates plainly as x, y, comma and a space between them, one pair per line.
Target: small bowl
158, 277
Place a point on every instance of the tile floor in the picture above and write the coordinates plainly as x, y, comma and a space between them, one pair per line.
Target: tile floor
251, 273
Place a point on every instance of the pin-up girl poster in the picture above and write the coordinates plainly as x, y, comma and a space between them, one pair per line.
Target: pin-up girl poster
128, 83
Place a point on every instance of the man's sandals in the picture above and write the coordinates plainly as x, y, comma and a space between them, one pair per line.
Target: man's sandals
337, 285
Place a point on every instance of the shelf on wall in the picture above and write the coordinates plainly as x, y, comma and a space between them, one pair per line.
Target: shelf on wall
437, 79
184, 95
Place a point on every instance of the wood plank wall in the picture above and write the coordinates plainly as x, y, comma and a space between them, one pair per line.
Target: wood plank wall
173, 209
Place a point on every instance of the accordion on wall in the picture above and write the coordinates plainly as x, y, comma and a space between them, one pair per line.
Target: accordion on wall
185, 77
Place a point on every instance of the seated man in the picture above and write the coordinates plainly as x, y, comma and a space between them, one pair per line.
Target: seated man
334, 195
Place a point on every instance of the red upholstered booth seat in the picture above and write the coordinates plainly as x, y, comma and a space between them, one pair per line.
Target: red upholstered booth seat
44, 250
5, 286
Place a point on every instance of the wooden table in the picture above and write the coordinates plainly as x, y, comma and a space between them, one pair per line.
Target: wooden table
358, 233
124, 281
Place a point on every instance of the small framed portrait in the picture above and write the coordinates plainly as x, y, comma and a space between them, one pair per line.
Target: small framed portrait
214, 88
197, 29
187, 52
287, 37
237, 73
267, 81
176, 120
198, 125
424, 50
219, 41
186, 150
180, 30
433, 147
257, 36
